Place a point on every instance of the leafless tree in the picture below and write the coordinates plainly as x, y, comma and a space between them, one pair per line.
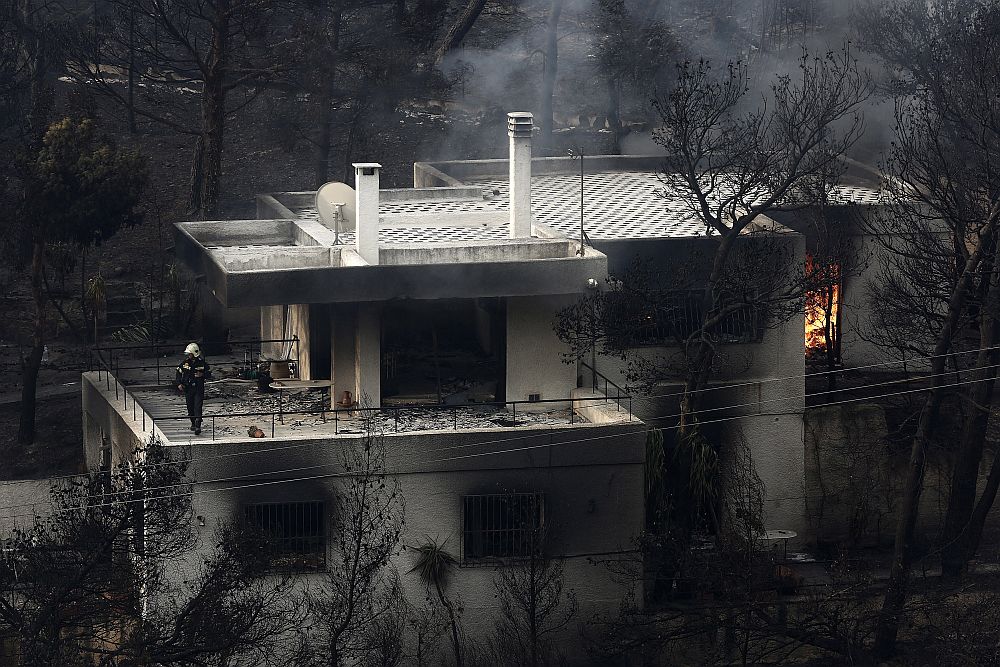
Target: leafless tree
225, 51
534, 608
92, 583
942, 256
360, 592
459, 28
732, 167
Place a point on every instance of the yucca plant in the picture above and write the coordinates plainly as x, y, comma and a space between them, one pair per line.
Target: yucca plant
434, 565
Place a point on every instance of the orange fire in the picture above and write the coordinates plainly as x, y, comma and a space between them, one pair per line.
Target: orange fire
822, 305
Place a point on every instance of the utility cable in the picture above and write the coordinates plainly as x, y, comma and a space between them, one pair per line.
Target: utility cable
637, 398
616, 434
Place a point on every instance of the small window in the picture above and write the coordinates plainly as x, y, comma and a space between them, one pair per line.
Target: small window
295, 534
501, 526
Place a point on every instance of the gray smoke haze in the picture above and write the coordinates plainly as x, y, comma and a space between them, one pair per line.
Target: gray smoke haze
768, 34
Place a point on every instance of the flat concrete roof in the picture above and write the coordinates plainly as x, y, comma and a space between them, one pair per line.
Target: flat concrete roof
617, 204
448, 236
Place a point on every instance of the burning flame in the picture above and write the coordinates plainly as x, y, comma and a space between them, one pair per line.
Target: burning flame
822, 305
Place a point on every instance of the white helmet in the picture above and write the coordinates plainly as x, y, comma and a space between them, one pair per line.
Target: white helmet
193, 348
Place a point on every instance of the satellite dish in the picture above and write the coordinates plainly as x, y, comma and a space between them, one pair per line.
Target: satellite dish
331, 198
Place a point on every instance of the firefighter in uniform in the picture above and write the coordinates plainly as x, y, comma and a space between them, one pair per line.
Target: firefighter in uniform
191, 376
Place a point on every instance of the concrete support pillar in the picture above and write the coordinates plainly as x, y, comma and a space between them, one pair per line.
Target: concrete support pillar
366, 175
519, 124
343, 328
298, 325
534, 351
272, 327
368, 353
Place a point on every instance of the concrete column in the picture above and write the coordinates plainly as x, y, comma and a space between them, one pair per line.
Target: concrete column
366, 210
272, 327
519, 124
298, 325
534, 352
343, 329
368, 353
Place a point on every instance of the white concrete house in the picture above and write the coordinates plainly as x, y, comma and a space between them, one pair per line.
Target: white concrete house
428, 296
436, 305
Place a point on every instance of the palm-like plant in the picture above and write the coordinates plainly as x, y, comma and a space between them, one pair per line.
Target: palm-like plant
434, 565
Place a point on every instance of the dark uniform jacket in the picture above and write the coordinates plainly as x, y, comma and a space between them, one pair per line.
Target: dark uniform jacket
192, 373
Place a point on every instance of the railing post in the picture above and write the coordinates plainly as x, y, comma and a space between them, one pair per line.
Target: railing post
213, 427
336, 422
281, 417
272, 425
454, 417
396, 417
514, 406
157, 369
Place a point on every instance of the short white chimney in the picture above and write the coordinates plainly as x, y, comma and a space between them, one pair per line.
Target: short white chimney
366, 210
519, 124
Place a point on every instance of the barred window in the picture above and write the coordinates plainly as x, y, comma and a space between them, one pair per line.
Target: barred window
672, 315
294, 533
501, 526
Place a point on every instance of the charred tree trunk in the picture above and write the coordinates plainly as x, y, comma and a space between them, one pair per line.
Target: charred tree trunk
965, 476
614, 114
896, 591
130, 92
703, 354
197, 187
550, 70
324, 96
32, 364
207, 175
39, 100
459, 29
974, 533
456, 640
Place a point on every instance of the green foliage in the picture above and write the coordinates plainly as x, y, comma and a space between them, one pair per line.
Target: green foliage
80, 188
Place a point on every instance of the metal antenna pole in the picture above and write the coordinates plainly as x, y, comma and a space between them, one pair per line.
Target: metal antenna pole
336, 223
583, 234
578, 154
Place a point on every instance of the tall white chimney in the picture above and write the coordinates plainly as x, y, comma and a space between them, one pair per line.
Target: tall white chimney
366, 210
519, 125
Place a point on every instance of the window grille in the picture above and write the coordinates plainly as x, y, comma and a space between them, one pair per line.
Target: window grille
294, 533
672, 315
501, 526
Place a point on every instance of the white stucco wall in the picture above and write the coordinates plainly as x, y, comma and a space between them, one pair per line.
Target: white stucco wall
591, 476
534, 352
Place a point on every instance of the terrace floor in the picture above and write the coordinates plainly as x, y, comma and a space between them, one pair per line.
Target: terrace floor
232, 405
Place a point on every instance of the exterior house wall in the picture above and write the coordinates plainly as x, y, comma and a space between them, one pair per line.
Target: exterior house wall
534, 352
764, 411
591, 477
